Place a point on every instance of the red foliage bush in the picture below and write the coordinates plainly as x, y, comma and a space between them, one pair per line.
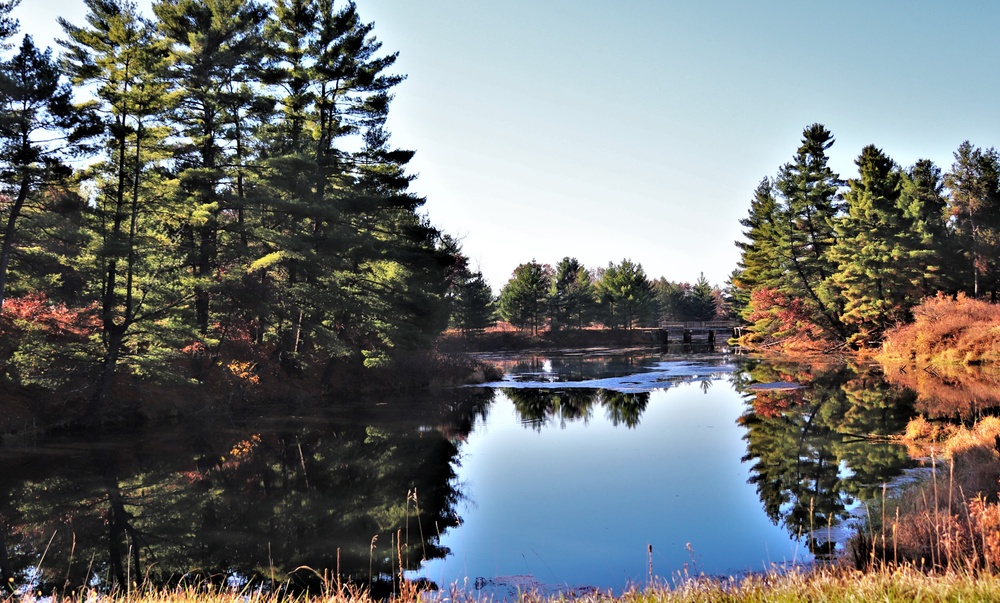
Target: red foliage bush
55, 321
777, 317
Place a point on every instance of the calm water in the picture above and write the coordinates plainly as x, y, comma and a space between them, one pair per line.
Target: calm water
577, 500
560, 477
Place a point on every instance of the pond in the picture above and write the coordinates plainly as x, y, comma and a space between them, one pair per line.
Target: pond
579, 471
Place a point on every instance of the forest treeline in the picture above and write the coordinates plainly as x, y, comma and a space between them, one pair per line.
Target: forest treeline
618, 296
209, 186
209, 193
828, 263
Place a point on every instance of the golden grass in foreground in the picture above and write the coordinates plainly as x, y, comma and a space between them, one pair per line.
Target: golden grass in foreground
949, 521
830, 585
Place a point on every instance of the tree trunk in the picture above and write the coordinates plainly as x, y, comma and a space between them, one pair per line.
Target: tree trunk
8, 236
123, 538
6, 573
106, 381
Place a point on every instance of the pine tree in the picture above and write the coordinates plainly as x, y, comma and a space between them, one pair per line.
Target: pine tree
872, 278
571, 295
702, 304
974, 206
809, 191
474, 305
8, 25
522, 299
216, 46
763, 254
361, 269
134, 256
929, 249
670, 300
33, 100
625, 296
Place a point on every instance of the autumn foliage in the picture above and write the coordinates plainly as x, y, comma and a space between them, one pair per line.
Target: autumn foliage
782, 319
948, 391
55, 320
947, 330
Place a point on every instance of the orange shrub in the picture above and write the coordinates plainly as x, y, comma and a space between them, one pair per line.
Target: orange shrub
947, 330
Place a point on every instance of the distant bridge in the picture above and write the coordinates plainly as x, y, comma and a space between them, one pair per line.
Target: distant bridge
688, 332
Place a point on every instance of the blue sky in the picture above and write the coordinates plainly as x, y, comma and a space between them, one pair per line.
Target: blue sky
639, 129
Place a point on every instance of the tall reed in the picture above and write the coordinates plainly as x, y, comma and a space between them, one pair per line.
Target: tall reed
949, 521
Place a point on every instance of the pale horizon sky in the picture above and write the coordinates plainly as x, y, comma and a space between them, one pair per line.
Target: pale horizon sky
640, 129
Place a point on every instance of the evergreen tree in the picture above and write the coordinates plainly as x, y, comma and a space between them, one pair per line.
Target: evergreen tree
809, 190
135, 256
49, 259
39, 127
215, 47
8, 25
522, 300
571, 295
929, 254
974, 206
703, 303
474, 305
671, 299
871, 275
625, 296
763, 254
359, 269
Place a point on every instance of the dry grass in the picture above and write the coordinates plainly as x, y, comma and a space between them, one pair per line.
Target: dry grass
947, 331
831, 585
951, 520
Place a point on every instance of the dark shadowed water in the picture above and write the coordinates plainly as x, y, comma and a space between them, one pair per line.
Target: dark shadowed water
579, 471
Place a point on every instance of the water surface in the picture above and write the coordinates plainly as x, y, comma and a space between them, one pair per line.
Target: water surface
560, 477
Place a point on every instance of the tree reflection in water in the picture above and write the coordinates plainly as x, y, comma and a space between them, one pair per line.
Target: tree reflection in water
963, 393
816, 450
256, 503
538, 407
241, 501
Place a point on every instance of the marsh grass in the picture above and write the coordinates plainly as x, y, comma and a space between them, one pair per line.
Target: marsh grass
948, 522
824, 584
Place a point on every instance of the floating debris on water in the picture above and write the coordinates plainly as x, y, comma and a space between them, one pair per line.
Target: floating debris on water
775, 386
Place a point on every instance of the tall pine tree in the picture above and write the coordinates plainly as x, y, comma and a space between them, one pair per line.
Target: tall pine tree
216, 48
135, 256
974, 206
522, 299
360, 269
871, 275
39, 128
809, 190
763, 253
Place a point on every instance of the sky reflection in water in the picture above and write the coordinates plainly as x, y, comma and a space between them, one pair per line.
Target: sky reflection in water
576, 502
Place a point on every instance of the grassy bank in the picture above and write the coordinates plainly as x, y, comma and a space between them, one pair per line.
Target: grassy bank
828, 585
